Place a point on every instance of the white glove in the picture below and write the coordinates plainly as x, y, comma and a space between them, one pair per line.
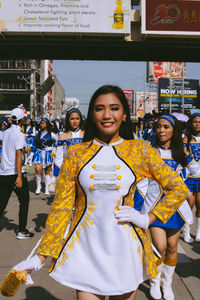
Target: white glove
129, 214
32, 264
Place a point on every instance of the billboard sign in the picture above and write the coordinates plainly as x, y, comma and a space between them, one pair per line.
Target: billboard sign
130, 96
65, 16
146, 102
159, 69
168, 17
190, 94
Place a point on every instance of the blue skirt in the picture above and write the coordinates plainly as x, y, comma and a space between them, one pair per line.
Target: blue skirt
193, 184
42, 157
176, 222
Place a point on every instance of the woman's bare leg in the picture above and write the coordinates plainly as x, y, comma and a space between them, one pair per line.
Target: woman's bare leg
128, 296
88, 296
159, 238
172, 243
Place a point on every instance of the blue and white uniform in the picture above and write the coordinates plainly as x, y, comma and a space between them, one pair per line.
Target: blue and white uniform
184, 213
193, 181
62, 147
42, 149
29, 136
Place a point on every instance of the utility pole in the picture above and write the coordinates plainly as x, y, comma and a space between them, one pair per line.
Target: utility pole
183, 100
170, 85
33, 96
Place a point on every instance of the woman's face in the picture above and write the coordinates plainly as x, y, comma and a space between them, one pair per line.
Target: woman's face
164, 132
27, 122
108, 116
3, 126
196, 124
43, 125
74, 121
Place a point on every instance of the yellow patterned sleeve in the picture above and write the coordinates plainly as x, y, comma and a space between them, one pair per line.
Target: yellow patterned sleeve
173, 185
61, 209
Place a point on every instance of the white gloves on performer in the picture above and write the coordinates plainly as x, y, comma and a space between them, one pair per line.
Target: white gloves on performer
31, 264
129, 214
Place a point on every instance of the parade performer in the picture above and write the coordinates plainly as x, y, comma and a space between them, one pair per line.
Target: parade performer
169, 146
192, 142
42, 159
107, 250
30, 133
73, 134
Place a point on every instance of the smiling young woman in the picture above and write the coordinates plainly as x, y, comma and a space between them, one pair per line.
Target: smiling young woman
107, 250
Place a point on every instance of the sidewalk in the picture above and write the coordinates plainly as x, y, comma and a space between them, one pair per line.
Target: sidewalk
186, 283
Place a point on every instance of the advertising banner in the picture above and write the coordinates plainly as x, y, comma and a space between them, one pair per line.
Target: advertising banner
130, 96
190, 94
159, 69
146, 102
168, 17
65, 16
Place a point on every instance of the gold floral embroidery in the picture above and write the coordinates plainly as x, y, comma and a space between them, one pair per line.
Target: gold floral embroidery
75, 240
130, 229
140, 252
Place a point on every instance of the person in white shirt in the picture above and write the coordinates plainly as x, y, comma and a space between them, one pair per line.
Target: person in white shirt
11, 176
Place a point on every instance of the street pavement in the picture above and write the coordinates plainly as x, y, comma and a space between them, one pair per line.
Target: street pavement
186, 280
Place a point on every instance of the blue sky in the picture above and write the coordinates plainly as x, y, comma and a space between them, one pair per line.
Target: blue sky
81, 78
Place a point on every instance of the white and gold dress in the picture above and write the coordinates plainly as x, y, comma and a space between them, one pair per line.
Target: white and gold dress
100, 255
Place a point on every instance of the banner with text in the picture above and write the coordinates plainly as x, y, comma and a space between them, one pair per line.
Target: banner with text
190, 89
92, 16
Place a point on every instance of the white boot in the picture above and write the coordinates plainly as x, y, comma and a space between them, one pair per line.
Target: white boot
167, 275
186, 234
155, 291
197, 239
38, 184
47, 182
52, 184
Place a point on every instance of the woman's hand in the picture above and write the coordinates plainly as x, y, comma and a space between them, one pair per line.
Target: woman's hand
129, 214
34, 263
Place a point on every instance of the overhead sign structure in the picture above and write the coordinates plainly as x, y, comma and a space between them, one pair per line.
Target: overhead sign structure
190, 94
46, 86
166, 17
84, 16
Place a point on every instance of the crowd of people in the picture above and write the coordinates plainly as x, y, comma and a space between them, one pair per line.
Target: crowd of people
124, 192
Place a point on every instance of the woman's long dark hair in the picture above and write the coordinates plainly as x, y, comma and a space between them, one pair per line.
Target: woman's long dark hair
48, 129
176, 144
190, 130
67, 124
126, 129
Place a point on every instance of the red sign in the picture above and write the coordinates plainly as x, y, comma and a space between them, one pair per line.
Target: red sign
158, 71
171, 16
129, 95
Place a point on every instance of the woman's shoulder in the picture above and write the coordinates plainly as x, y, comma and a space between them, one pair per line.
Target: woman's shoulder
64, 136
80, 146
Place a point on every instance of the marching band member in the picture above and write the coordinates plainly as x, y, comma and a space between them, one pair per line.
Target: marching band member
107, 250
30, 133
192, 142
165, 237
73, 134
42, 159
